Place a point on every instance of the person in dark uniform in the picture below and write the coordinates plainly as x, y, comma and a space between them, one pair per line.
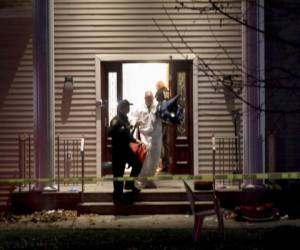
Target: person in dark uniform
119, 131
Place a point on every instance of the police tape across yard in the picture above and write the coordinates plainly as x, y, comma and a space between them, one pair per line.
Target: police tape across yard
202, 177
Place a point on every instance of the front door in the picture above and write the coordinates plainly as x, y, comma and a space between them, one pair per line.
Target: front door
111, 92
180, 137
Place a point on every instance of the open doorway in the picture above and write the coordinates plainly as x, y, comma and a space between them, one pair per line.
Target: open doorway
141, 77
137, 79
129, 80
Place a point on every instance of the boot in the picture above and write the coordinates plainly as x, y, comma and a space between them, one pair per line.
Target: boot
122, 199
132, 187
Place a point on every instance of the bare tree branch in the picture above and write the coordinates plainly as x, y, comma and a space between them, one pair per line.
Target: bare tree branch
214, 75
215, 6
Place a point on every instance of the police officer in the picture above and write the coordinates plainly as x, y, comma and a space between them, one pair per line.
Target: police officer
119, 130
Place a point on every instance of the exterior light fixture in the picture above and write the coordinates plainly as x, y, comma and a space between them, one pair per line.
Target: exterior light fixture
68, 83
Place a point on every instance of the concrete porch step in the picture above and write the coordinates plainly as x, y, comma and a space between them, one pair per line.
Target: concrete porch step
139, 208
158, 202
147, 196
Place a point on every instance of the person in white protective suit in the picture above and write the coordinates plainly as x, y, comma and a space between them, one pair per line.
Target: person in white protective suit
150, 127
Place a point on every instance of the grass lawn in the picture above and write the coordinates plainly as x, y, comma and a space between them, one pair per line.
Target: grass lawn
283, 237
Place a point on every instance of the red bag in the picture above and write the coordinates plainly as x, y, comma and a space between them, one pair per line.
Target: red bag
139, 149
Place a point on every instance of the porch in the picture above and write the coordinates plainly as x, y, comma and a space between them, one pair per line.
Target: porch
168, 198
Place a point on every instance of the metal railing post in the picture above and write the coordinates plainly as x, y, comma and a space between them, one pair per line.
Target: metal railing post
214, 159
73, 170
64, 161
77, 157
29, 162
82, 168
223, 160
67, 166
20, 168
58, 165
24, 158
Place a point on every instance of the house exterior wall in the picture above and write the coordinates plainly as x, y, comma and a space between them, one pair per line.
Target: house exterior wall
86, 28
16, 88
15, 84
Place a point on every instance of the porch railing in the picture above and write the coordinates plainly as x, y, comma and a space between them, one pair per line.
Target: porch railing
70, 153
227, 159
69, 160
24, 159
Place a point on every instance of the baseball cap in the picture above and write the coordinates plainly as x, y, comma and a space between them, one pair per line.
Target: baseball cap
123, 103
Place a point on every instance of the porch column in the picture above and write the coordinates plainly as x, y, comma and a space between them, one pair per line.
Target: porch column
253, 119
43, 91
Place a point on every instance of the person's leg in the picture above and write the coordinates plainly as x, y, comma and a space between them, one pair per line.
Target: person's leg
155, 154
136, 167
151, 162
145, 171
165, 148
118, 167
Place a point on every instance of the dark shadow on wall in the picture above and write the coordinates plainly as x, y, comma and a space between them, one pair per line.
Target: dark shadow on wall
230, 90
66, 102
15, 35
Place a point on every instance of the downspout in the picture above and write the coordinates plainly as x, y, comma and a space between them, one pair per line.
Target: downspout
253, 119
261, 76
43, 93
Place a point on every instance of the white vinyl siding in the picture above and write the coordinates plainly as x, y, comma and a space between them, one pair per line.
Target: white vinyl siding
16, 100
84, 28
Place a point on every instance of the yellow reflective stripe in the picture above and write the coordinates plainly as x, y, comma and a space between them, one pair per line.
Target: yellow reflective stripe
202, 177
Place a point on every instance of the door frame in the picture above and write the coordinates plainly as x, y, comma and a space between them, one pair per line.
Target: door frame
147, 58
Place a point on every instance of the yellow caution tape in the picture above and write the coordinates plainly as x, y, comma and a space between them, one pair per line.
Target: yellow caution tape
202, 177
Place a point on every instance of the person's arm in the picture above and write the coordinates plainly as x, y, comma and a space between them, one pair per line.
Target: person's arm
132, 118
112, 127
147, 126
124, 134
130, 136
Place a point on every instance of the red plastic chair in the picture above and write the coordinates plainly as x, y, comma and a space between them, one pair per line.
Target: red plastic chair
199, 216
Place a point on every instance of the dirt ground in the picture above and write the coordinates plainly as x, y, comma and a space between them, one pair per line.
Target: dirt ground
68, 219
64, 230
